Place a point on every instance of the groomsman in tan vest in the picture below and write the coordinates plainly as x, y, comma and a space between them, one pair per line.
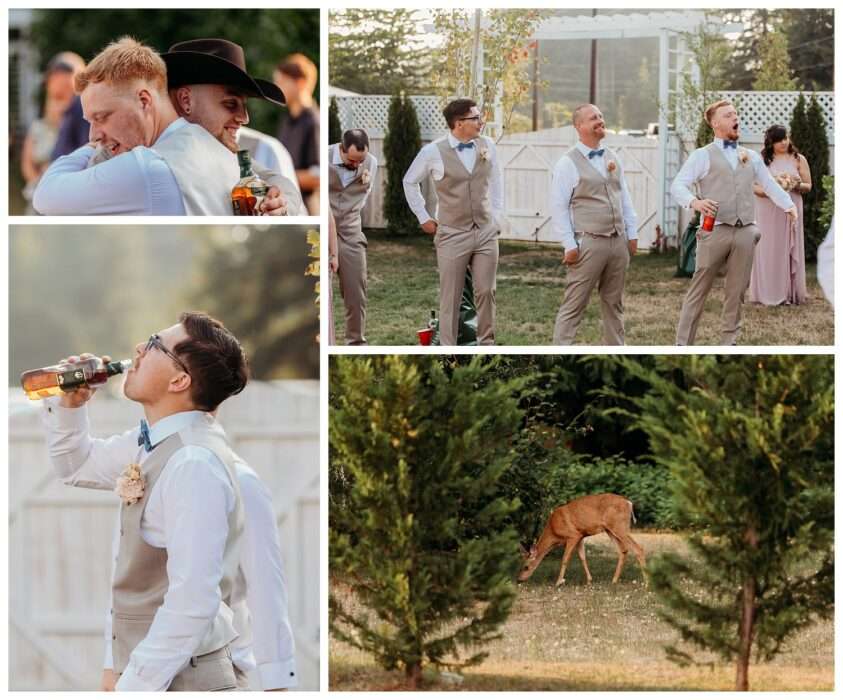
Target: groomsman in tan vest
592, 213
723, 173
469, 186
351, 176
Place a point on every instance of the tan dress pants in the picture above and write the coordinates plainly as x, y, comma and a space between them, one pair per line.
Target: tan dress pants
214, 671
351, 255
730, 245
454, 252
603, 262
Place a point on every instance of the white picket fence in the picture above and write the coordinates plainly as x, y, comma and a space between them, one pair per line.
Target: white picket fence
60, 537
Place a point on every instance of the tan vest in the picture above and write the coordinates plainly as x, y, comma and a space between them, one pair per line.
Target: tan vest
464, 201
347, 202
732, 189
205, 170
596, 200
140, 575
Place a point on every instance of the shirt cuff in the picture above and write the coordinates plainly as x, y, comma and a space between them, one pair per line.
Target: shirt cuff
632, 235
129, 680
569, 241
63, 417
278, 674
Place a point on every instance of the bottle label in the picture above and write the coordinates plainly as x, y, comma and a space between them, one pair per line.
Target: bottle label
71, 379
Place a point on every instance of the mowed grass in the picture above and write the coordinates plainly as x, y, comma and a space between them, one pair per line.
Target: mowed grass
598, 637
404, 286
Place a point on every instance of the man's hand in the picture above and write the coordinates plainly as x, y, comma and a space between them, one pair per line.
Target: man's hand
793, 214
334, 262
571, 256
80, 397
109, 680
429, 227
633, 246
707, 207
274, 203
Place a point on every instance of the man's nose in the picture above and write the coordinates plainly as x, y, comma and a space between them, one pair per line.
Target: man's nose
139, 349
243, 116
94, 133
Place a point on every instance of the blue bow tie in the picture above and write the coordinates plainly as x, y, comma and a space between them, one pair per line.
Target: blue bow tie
143, 438
599, 153
730, 144
463, 146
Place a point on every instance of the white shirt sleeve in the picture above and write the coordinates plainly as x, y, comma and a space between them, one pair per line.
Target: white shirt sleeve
564, 179
630, 218
416, 174
266, 587
771, 188
197, 498
496, 186
373, 172
691, 172
77, 458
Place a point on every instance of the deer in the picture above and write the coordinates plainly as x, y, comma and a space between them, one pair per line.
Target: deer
571, 523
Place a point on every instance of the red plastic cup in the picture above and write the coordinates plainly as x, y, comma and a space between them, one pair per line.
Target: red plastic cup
425, 336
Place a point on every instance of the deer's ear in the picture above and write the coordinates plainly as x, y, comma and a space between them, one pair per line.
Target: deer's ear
523, 550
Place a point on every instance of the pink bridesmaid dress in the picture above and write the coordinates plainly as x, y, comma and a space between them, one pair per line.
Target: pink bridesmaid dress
778, 270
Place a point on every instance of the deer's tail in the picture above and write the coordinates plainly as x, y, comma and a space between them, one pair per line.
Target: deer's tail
632, 511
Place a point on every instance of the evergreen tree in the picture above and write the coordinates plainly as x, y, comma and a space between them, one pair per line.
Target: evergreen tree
744, 58
799, 134
810, 34
378, 52
809, 135
401, 144
334, 126
749, 441
426, 445
774, 64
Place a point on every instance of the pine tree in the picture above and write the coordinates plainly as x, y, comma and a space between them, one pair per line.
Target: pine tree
799, 134
810, 34
425, 445
749, 441
774, 71
401, 144
334, 126
808, 133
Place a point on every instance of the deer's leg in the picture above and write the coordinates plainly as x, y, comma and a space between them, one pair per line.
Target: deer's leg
622, 550
639, 554
581, 552
570, 546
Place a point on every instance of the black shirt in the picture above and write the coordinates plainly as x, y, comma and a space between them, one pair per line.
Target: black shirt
300, 136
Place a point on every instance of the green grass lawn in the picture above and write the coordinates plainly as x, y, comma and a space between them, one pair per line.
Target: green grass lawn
404, 286
598, 637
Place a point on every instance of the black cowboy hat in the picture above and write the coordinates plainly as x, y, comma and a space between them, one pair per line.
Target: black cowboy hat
218, 62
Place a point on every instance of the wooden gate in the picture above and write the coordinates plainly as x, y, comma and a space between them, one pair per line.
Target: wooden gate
60, 537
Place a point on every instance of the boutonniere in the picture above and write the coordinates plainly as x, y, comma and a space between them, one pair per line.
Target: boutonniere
611, 166
130, 485
483, 153
365, 177
743, 156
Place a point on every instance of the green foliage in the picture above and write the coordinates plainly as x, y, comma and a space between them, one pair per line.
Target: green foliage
808, 133
774, 71
827, 207
334, 126
400, 146
424, 445
378, 52
810, 34
267, 36
749, 442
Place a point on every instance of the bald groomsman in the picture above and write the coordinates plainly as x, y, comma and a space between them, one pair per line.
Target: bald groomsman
593, 215
469, 187
351, 176
723, 173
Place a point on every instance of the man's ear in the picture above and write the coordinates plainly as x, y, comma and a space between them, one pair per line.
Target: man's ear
144, 97
181, 382
183, 100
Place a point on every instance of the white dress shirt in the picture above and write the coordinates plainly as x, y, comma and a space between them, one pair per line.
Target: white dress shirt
565, 179
186, 513
428, 161
347, 176
698, 164
138, 182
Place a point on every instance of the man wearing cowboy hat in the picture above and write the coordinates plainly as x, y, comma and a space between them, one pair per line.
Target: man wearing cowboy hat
208, 86
147, 150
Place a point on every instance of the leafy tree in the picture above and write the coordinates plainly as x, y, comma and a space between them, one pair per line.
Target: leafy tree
426, 445
774, 71
749, 441
400, 146
810, 34
378, 52
809, 135
334, 126
266, 36
745, 54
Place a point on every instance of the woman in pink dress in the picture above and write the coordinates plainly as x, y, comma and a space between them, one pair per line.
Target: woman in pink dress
778, 271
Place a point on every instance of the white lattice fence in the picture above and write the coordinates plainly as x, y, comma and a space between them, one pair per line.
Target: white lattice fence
60, 537
370, 112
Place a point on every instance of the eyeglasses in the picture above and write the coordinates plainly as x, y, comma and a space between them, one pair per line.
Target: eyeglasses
476, 118
155, 342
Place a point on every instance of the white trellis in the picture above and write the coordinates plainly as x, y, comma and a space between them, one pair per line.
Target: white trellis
370, 112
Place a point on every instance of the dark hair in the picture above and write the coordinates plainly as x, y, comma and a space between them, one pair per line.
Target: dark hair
772, 136
456, 109
217, 363
355, 137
